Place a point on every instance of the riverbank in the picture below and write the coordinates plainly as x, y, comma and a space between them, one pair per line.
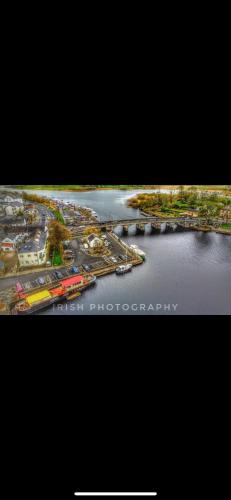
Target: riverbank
79, 188
122, 187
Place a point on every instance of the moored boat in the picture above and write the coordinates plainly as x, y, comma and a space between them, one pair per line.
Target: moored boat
74, 296
66, 289
124, 269
138, 251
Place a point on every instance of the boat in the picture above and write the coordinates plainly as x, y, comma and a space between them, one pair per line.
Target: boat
74, 296
124, 269
66, 289
138, 251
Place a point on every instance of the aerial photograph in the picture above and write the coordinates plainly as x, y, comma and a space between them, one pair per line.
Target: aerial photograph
115, 250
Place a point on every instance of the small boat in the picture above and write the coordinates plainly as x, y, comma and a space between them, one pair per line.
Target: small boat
74, 296
138, 251
124, 269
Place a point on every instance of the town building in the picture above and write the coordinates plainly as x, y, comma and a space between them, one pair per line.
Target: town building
34, 251
94, 241
225, 213
11, 204
7, 245
13, 221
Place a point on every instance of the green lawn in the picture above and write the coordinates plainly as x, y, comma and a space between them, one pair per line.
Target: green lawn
58, 216
225, 226
57, 259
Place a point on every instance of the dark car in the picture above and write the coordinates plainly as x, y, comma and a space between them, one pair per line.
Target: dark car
74, 270
58, 275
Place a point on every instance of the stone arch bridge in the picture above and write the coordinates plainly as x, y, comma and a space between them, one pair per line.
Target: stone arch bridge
155, 223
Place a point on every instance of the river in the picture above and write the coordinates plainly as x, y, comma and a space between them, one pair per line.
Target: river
184, 273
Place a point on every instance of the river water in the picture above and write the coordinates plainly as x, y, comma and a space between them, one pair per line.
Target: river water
184, 273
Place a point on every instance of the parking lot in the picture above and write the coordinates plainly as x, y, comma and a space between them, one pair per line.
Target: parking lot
90, 263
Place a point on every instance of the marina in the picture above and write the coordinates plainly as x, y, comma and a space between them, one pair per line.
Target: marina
68, 289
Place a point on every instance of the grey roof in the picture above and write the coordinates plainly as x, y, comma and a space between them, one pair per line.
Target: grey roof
92, 237
12, 221
12, 203
11, 234
32, 245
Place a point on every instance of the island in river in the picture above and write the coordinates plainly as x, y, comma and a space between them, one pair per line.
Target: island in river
213, 208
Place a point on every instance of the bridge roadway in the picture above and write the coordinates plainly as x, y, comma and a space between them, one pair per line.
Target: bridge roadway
151, 220
121, 222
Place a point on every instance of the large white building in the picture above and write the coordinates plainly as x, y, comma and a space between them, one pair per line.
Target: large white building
11, 205
34, 251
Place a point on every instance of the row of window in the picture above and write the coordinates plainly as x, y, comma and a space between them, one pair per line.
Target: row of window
29, 256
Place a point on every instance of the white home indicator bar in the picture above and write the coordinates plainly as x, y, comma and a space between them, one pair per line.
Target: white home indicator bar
116, 494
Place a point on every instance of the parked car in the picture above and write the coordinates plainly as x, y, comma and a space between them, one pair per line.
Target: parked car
74, 270
41, 281
58, 275
86, 267
113, 259
19, 287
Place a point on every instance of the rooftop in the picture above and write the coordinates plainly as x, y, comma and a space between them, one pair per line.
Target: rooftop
35, 244
93, 237
13, 221
12, 203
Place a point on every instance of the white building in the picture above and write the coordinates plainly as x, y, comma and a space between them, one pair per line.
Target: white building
94, 241
7, 245
34, 252
14, 208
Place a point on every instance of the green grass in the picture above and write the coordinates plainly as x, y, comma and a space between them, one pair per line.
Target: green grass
57, 259
225, 226
58, 216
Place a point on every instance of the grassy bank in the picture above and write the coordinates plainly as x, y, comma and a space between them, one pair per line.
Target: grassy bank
184, 203
78, 187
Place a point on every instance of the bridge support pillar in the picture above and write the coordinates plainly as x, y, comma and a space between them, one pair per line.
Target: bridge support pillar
170, 227
156, 227
140, 228
125, 229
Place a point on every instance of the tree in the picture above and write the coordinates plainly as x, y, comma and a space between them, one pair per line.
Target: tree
57, 234
91, 230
